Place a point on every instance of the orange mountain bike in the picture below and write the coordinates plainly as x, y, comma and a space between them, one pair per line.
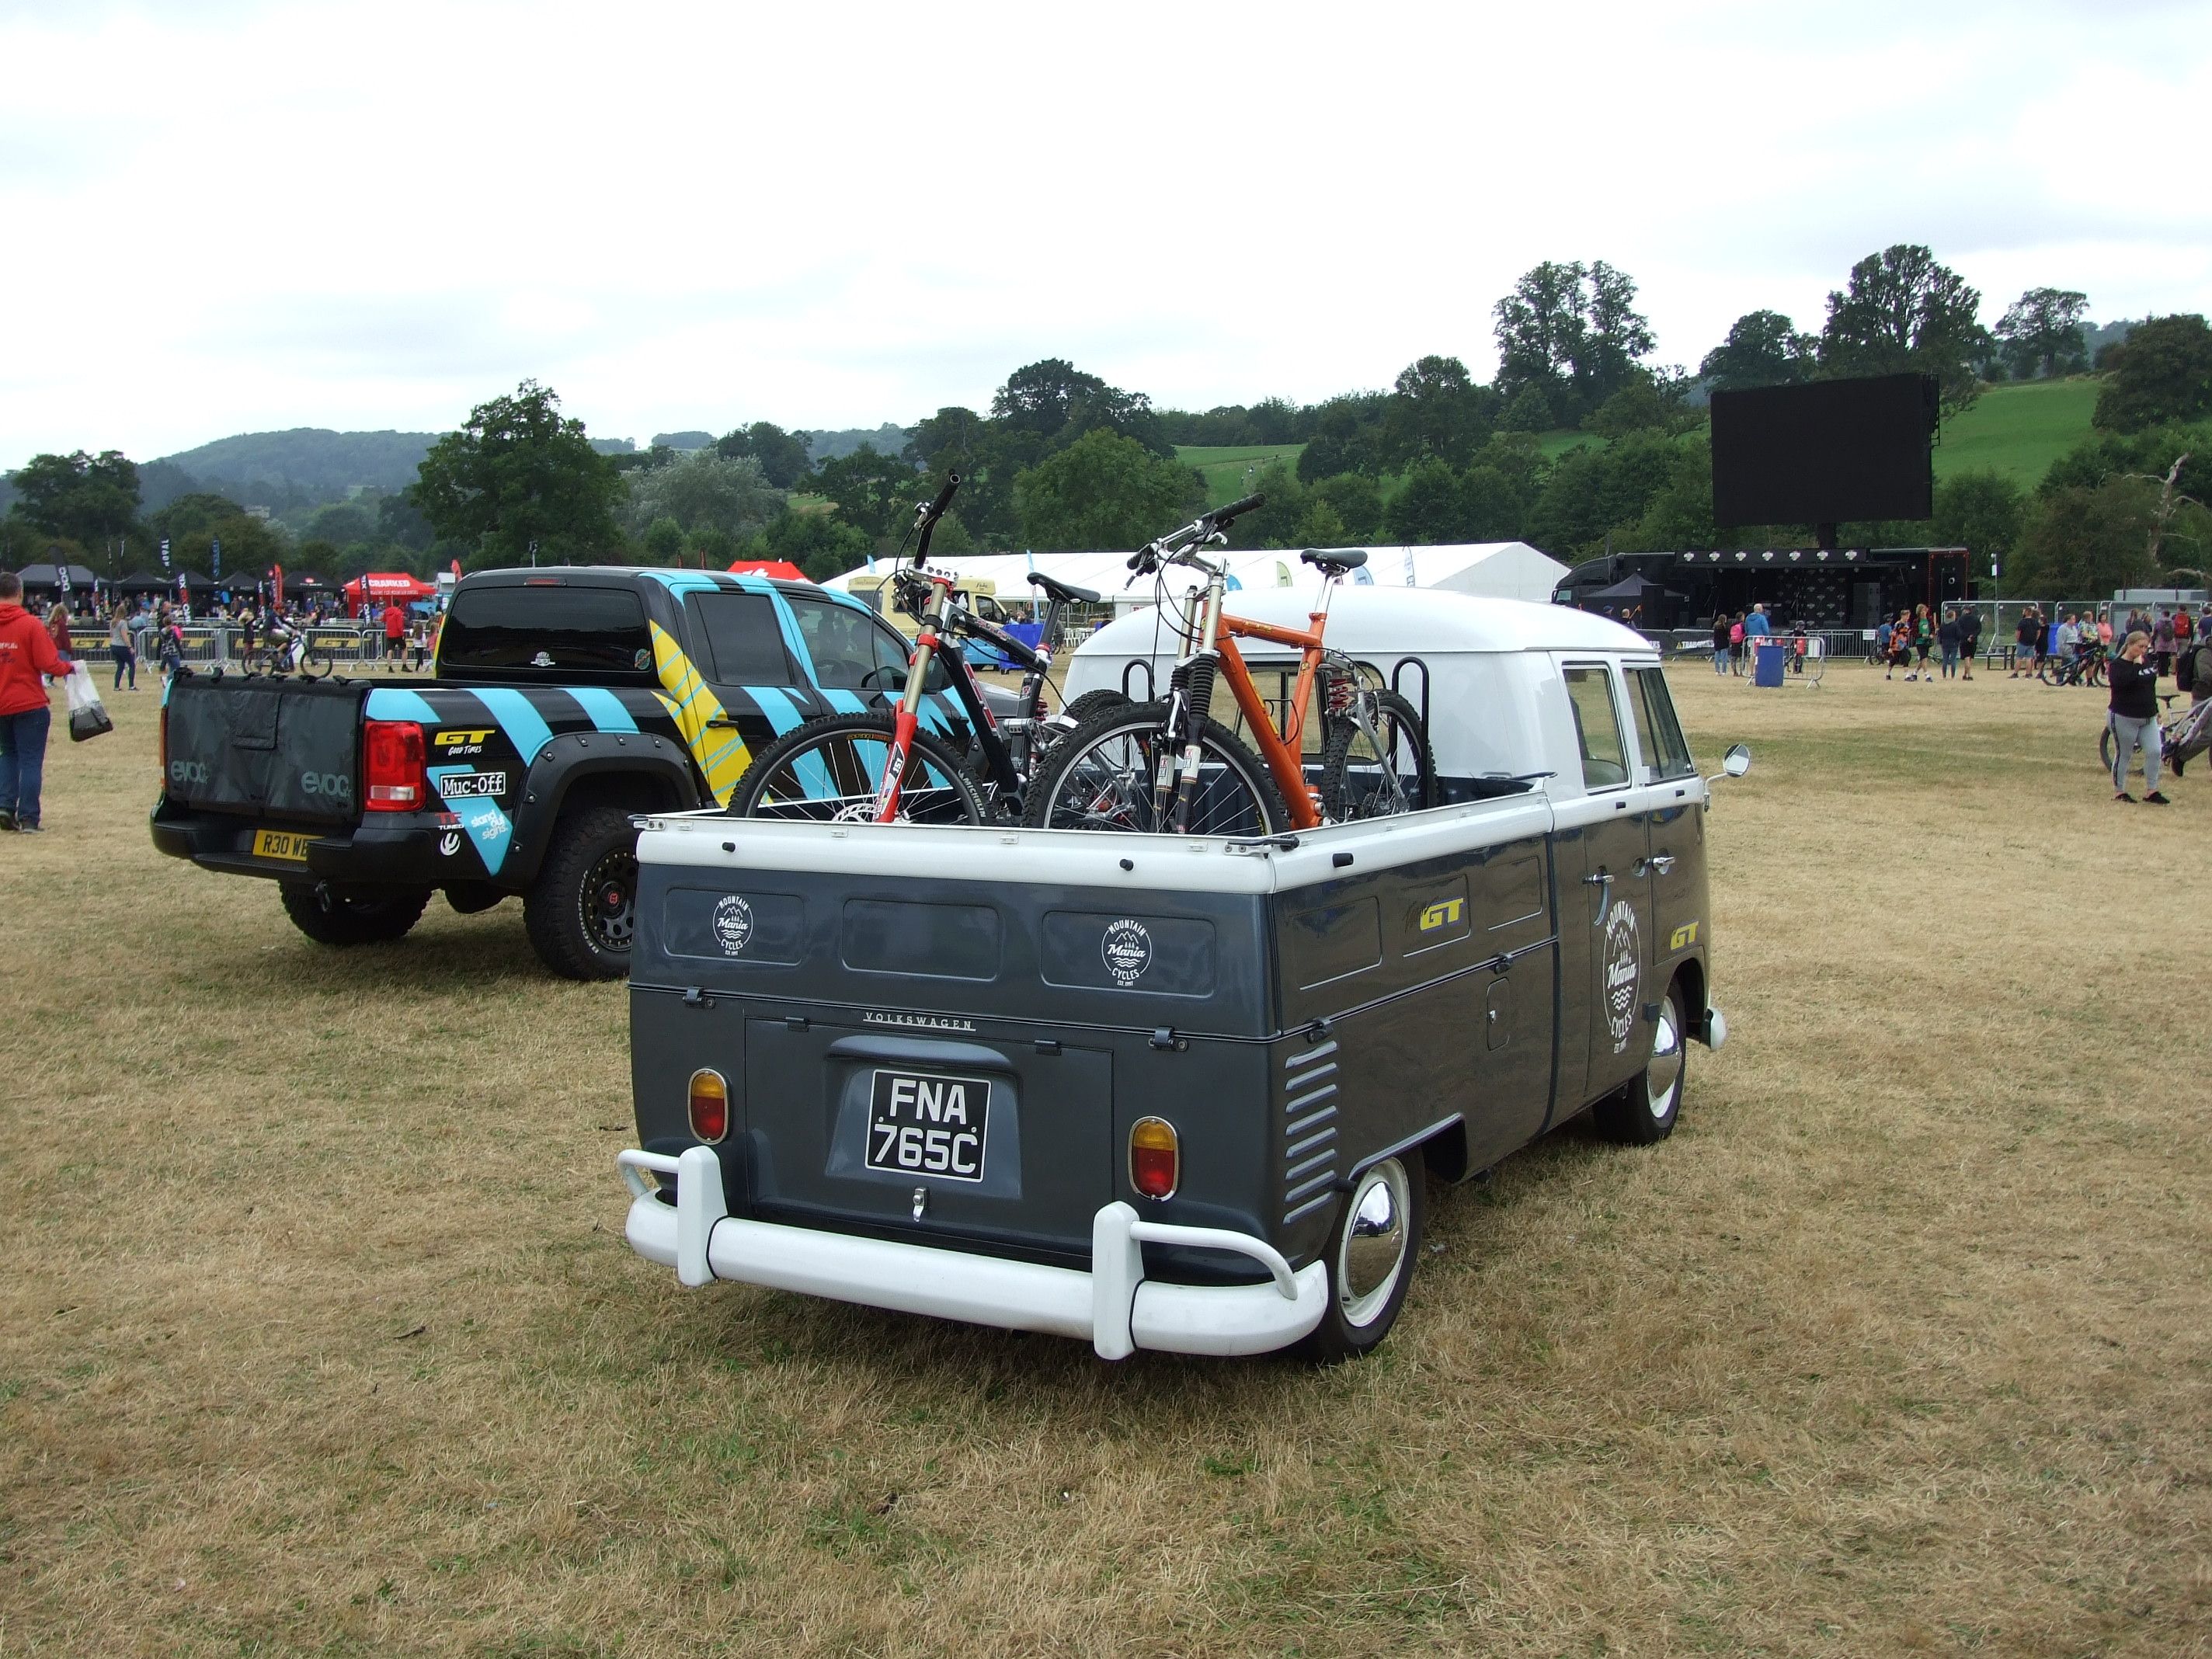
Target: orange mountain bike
1167, 767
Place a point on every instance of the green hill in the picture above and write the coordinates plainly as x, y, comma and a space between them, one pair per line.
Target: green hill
1231, 469
309, 458
2018, 429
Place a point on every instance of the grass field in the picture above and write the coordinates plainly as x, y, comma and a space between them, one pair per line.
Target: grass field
317, 1333
2018, 429
1231, 469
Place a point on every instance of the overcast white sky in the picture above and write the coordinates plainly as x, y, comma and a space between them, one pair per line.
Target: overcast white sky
226, 217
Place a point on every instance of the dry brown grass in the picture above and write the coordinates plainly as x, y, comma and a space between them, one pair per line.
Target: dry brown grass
317, 1330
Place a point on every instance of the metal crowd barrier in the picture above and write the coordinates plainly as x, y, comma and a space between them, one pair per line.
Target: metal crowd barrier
218, 642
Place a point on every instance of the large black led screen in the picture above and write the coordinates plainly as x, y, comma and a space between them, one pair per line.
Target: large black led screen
1823, 453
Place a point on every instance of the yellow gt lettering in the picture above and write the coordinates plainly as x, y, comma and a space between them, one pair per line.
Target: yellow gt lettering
1442, 913
457, 740
1685, 936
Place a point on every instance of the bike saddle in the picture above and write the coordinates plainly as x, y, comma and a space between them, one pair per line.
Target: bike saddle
1337, 561
1061, 590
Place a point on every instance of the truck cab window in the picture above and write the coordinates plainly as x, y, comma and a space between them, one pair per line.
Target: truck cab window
852, 650
1658, 733
1597, 728
744, 641
545, 630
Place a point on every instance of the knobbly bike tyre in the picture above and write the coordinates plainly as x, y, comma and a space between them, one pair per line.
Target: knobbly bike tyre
848, 752
1096, 754
1401, 731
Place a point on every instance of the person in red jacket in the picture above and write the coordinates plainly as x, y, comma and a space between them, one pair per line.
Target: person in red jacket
395, 629
27, 650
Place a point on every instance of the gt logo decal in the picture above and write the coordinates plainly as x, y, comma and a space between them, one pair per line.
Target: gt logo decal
463, 739
1684, 937
1441, 915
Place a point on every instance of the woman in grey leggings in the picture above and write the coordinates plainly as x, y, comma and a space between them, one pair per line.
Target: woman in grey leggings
2134, 717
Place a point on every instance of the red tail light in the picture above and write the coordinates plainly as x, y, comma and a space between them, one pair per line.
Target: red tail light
393, 751
710, 1106
1155, 1158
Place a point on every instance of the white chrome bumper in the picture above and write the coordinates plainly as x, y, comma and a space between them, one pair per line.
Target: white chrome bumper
1716, 1028
1114, 1306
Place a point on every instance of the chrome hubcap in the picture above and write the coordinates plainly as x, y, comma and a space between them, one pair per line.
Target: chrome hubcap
1662, 1072
1373, 1253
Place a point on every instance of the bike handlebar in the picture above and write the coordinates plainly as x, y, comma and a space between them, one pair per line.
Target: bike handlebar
1198, 531
927, 515
1222, 515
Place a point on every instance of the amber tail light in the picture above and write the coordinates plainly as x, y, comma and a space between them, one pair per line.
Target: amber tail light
1155, 1158
710, 1106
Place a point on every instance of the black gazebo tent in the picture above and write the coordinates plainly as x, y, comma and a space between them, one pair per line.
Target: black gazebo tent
1652, 605
49, 576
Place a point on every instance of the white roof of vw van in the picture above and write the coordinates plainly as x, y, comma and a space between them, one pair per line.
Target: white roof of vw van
1375, 622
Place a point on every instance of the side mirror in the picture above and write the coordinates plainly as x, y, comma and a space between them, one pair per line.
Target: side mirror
1734, 765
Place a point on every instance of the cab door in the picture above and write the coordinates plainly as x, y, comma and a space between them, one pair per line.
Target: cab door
1674, 812
1605, 896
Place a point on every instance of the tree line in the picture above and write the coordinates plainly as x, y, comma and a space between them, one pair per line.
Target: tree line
1062, 459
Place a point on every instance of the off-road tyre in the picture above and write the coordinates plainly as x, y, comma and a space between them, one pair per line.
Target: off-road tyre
1367, 1286
1091, 702
1644, 1111
1343, 795
850, 751
581, 911
332, 915
1246, 804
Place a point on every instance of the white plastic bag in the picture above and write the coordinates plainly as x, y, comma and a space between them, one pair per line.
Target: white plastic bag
87, 715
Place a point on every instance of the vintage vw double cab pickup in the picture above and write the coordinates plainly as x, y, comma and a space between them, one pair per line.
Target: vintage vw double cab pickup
1180, 1093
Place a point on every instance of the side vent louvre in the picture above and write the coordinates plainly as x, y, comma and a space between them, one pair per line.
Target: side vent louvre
1309, 1142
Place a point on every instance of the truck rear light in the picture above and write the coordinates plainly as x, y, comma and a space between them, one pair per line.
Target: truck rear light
1155, 1158
710, 1106
392, 750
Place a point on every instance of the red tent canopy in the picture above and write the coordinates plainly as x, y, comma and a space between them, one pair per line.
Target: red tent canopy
384, 585
782, 568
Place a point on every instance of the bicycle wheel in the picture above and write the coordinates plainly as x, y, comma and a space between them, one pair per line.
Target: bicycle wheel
1100, 776
1360, 780
2051, 672
827, 771
2105, 747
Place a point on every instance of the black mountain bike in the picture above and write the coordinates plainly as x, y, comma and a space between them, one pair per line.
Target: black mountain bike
884, 766
2083, 668
2182, 734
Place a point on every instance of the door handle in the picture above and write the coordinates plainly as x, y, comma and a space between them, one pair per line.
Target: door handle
1658, 864
1603, 882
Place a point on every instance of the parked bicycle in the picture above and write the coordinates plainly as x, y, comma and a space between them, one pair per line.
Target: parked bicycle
1168, 766
2083, 668
2183, 735
883, 767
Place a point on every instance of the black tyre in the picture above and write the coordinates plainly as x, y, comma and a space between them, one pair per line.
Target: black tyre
829, 769
1100, 775
2105, 748
582, 908
1643, 1113
1090, 703
1370, 1257
1359, 781
332, 915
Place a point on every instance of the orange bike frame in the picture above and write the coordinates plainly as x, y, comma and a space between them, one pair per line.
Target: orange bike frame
1283, 752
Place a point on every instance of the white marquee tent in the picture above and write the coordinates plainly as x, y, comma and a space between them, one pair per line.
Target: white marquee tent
1498, 570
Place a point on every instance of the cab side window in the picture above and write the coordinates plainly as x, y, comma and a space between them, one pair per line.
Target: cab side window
1658, 733
852, 650
1597, 728
743, 643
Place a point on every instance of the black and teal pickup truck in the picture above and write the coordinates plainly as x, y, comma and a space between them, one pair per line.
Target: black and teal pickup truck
563, 702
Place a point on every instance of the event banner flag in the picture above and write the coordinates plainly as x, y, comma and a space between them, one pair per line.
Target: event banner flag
165, 552
215, 557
